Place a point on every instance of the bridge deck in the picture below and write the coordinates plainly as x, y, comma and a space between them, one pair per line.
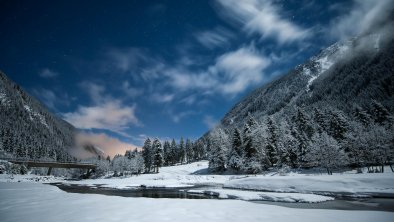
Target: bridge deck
55, 164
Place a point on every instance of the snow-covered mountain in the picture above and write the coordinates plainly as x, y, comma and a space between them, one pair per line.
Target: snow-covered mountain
342, 76
340, 100
28, 129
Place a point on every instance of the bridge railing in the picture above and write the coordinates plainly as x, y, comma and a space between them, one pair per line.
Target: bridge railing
21, 159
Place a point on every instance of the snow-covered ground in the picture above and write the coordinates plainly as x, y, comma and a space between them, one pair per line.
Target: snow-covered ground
375, 183
196, 174
175, 176
26, 201
189, 175
268, 196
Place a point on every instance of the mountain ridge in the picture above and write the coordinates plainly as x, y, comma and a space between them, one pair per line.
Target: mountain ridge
334, 100
28, 129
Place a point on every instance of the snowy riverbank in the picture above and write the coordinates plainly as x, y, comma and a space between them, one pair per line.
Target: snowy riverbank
349, 183
39, 202
293, 186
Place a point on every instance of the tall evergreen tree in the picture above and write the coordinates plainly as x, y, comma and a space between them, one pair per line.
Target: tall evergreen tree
189, 150
379, 113
302, 133
158, 154
338, 125
272, 142
167, 153
252, 159
182, 152
218, 141
173, 157
235, 158
362, 115
147, 154
320, 119
249, 149
325, 152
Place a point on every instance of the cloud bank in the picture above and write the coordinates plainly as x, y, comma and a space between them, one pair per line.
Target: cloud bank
110, 145
232, 73
105, 113
262, 17
363, 17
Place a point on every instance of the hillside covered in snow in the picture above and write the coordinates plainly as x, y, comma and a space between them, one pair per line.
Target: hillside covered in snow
28, 129
334, 110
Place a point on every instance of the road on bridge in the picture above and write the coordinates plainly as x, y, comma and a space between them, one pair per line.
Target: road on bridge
50, 165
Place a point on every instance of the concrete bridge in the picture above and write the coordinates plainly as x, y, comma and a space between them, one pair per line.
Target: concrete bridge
32, 163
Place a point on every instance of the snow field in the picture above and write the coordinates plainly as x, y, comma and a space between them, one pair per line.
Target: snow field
38, 202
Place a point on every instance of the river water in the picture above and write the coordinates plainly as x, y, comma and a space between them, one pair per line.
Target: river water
340, 203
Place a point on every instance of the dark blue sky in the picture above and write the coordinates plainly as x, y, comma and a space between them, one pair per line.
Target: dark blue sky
166, 69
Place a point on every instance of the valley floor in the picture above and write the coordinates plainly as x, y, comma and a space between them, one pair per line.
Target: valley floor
30, 200
39, 202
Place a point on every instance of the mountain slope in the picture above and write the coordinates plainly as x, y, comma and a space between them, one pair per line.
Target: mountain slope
28, 129
335, 109
330, 78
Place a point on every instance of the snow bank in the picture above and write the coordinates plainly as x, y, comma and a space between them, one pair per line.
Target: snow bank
174, 177
269, 196
375, 183
30, 178
38, 202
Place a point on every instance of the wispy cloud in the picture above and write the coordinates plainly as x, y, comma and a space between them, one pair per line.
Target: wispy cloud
111, 115
95, 91
211, 39
131, 91
177, 117
209, 121
51, 99
242, 68
189, 100
231, 74
105, 113
137, 62
162, 98
364, 16
47, 73
262, 17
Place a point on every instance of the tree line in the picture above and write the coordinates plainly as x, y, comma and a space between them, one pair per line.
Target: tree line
325, 138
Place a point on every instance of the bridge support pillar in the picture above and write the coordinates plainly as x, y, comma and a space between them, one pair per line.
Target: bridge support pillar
49, 171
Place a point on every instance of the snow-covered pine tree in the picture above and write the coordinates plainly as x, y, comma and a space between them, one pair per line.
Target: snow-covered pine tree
362, 115
181, 151
1, 145
218, 142
380, 145
252, 159
189, 151
302, 132
158, 154
236, 153
272, 142
139, 163
286, 145
338, 125
173, 153
379, 113
320, 119
147, 154
167, 153
196, 150
325, 152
